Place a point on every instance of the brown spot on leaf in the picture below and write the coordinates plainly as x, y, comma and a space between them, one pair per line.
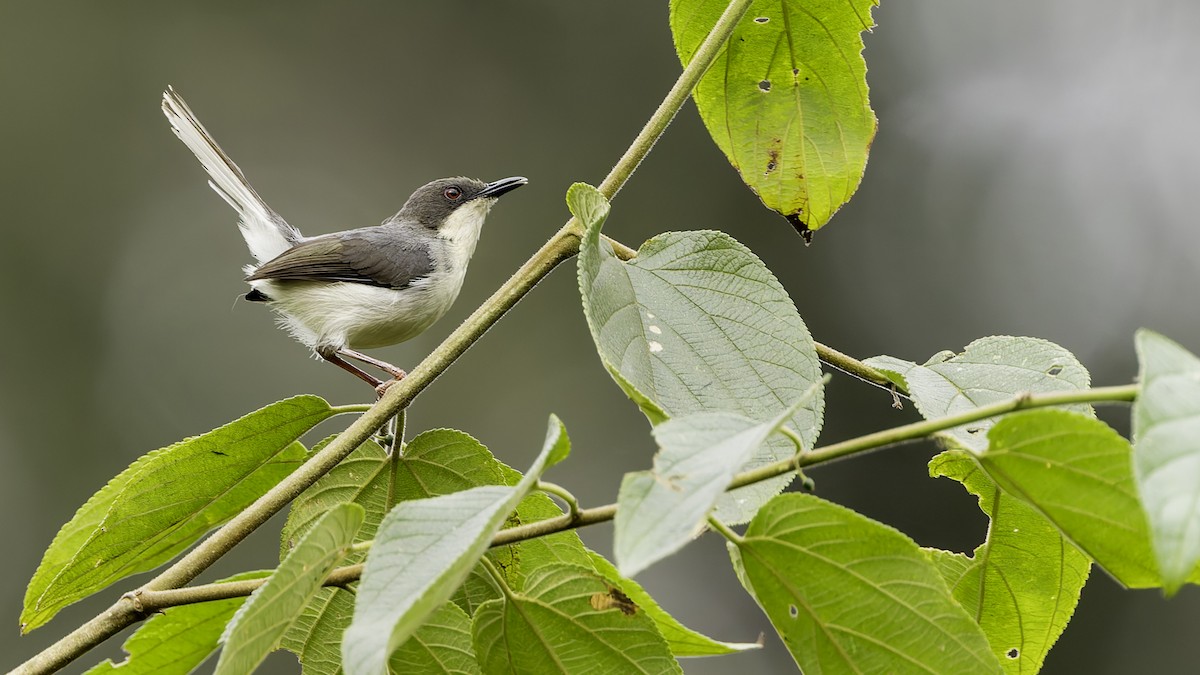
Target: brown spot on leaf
614, 599
772, 160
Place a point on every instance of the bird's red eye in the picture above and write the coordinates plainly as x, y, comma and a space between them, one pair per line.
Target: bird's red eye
452, 193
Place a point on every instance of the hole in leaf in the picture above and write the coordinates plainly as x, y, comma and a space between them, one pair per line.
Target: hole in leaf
761, 19
1054, 371
765, 85
795, 71
974, 430
793, 611
1012, 653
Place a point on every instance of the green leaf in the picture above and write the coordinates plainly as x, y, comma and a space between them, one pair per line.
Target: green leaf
848, 594
558, 444
660, 511
1077, 472
587, 204
441, 461
683, 641
177, 640
423, 551
442, 646
315, 636
989, 370
786, 101
568, 620
1022, 584
361, 478
1166, 429
697, 323
166, 500
260, 624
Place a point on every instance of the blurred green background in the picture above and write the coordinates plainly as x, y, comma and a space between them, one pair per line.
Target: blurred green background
1034, 174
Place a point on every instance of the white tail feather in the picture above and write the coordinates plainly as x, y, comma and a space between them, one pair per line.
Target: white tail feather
266, 233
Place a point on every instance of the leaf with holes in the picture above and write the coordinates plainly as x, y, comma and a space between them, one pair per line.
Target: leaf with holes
1078, 473
1022, 584
786, 100
166, 500
1166, 429
697, 323
848, 594
989, 370
568, 620
178, 639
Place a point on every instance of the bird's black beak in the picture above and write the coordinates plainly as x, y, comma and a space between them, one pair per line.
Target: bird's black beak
499, 187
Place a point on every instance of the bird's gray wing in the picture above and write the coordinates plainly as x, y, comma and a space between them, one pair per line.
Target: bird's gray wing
369, 256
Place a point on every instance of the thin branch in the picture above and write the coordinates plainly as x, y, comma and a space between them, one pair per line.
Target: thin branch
855, 368
156, 600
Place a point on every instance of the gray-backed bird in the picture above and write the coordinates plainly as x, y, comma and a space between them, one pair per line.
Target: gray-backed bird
358, 289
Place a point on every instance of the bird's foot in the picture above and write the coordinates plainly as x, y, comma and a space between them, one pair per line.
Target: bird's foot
382, 387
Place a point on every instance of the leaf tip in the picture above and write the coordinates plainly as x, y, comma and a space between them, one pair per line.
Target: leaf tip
557, 444
587, 204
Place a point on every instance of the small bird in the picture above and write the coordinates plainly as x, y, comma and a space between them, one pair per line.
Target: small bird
358, 289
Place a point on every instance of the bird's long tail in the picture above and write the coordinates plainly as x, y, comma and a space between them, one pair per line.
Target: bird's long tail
266, 233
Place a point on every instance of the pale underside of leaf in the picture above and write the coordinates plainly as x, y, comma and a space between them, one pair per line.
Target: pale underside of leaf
1166, 428
697, 323
989, 370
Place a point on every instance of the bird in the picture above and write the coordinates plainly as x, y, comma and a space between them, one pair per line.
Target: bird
357, 289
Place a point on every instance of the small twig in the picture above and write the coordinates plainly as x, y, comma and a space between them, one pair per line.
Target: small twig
563, 494
724, 530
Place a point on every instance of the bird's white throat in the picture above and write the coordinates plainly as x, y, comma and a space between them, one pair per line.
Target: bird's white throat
461, 233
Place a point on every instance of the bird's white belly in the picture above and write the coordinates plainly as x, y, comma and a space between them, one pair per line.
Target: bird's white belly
360, 316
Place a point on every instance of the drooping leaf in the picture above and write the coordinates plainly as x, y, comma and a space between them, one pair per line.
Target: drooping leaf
568, 620
261, 622
1022, 584
682, 640
786, 101
660, 511
850, 595
1166, 435
1077, 472
423, 551
697, 323
166, 500
441, 646
177, 640
989, 370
